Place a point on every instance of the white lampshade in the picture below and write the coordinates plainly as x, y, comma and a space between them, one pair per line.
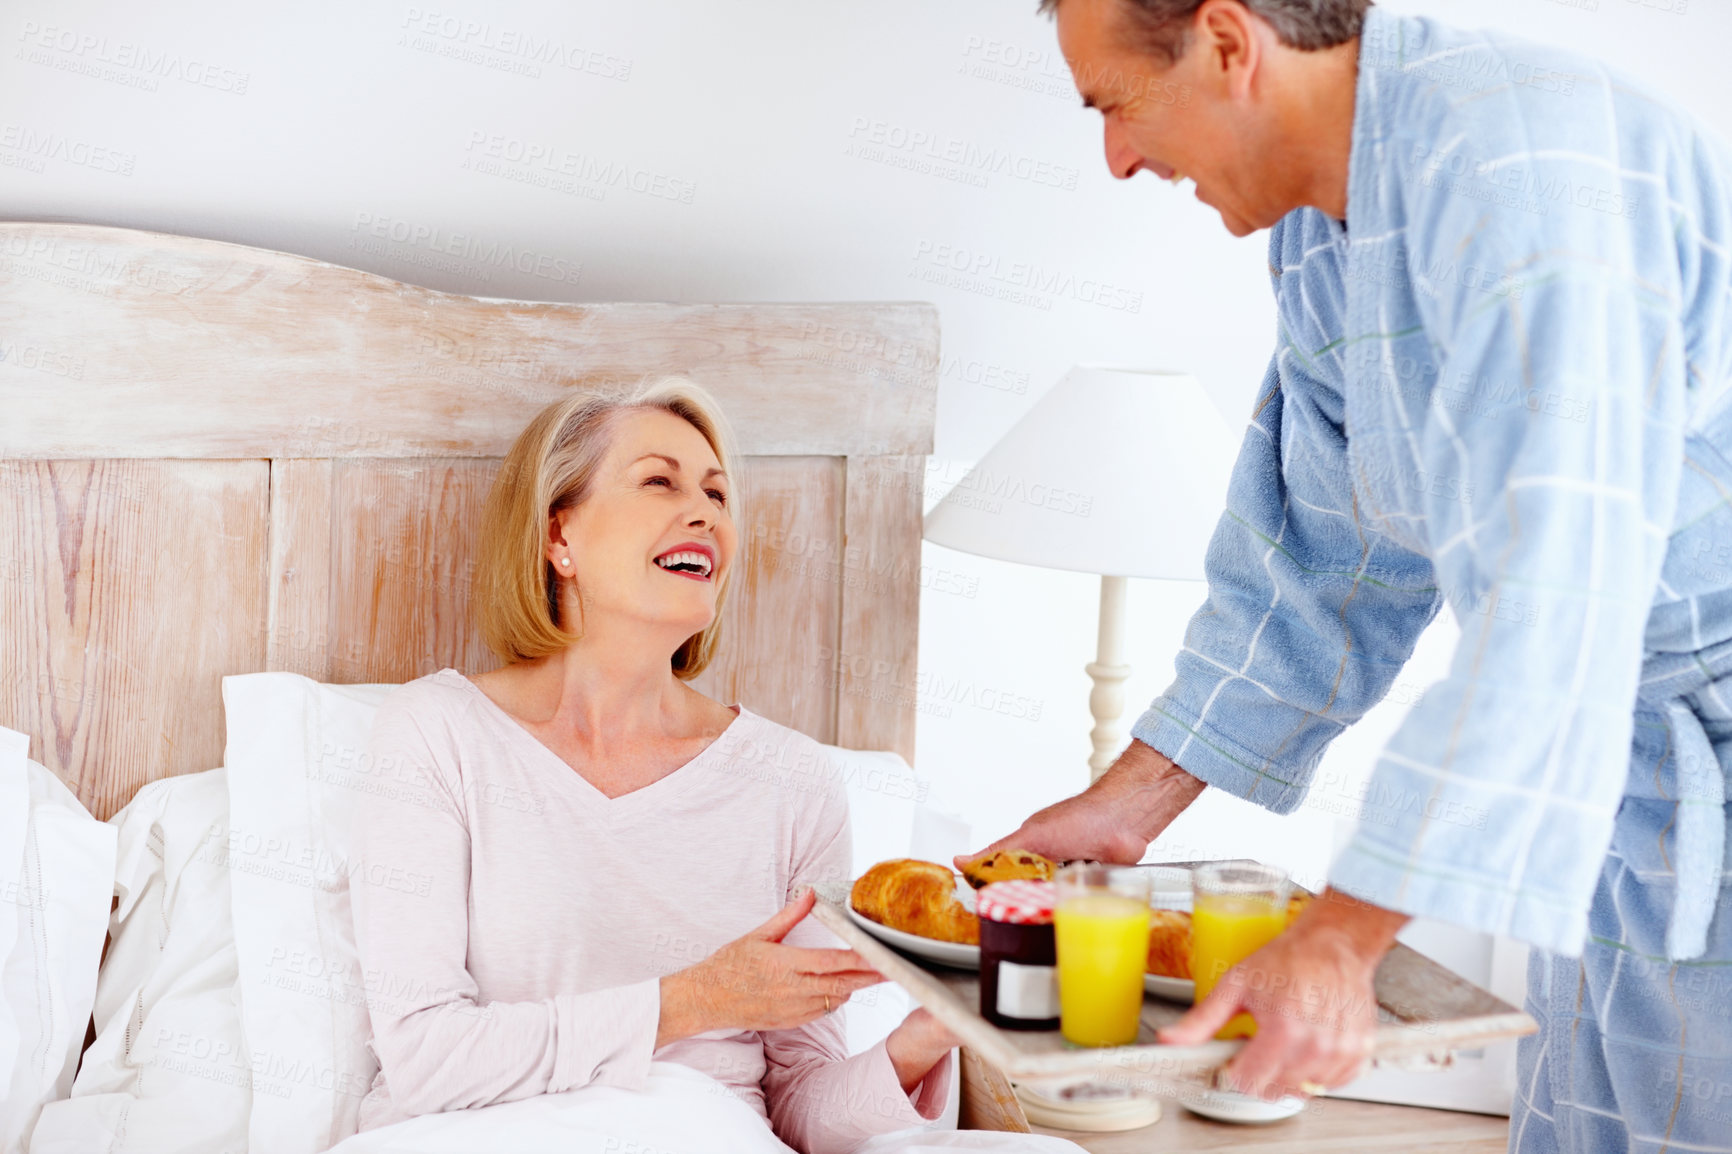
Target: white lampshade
1120, 472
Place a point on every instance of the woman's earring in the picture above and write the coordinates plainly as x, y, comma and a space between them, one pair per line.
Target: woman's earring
565, 560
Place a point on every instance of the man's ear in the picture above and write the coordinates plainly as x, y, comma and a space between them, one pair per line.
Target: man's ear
1227, 35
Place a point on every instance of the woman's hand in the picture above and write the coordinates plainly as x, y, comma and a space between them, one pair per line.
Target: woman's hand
757, 983
916, 1046
1310, 992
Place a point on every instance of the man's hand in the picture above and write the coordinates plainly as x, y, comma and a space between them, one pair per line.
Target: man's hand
1310, 992
1113, 820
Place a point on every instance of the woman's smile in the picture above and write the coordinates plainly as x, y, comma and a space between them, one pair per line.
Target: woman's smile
691, 560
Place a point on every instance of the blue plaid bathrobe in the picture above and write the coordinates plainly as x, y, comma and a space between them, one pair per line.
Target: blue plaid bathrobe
1503, 385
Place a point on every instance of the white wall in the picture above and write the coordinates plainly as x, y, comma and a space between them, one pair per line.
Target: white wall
747, 130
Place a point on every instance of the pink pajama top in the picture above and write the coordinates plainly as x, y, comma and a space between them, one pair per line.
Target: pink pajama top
525, 959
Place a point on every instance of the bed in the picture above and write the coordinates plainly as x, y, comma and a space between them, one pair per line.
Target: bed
220, 460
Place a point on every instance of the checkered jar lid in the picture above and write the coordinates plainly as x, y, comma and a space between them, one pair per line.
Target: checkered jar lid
1020, 902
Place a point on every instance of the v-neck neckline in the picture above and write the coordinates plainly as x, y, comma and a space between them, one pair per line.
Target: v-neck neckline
672, 782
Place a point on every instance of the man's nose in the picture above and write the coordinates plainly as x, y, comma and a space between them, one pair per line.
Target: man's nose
1123, 160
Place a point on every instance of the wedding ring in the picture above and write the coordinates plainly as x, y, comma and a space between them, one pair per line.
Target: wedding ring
826, 1003
1312, 1089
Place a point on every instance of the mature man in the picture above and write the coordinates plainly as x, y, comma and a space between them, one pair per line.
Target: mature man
1500, 380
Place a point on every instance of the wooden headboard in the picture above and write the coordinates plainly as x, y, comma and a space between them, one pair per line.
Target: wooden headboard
217, 459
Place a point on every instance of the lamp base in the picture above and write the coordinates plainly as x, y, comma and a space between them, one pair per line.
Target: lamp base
1109, 671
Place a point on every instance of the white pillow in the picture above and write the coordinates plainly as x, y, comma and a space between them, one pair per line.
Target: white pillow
56, 881
296, 756
297, 762
169, 1069
884, 794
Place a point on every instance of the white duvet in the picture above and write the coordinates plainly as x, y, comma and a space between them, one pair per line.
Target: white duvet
681, 1111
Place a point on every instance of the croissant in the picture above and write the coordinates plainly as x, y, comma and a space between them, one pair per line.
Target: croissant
1170, 943
916, 897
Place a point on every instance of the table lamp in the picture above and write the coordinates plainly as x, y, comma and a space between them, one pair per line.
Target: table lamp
1120, 472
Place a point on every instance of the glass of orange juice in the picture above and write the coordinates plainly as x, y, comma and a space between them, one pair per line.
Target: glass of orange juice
1237, 909
1101, 929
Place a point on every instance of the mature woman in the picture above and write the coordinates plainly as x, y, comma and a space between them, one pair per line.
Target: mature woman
608, 878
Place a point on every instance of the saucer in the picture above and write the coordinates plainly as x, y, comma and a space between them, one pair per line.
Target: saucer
1086, 1105
1245, 1109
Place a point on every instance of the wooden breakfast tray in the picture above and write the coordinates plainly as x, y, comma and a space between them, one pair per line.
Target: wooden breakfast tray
1426, 1013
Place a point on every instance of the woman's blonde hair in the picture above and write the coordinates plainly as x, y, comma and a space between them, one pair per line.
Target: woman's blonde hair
551, 467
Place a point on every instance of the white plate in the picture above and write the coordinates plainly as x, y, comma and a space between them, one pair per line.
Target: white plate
1172, 989
953, 954
1224, 1106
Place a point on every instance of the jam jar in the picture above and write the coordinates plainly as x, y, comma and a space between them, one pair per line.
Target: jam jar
1018, 971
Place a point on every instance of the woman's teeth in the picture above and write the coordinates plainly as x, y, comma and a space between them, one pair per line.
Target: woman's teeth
685, 562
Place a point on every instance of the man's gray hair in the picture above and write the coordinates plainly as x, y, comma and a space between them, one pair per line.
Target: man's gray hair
1164, 26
